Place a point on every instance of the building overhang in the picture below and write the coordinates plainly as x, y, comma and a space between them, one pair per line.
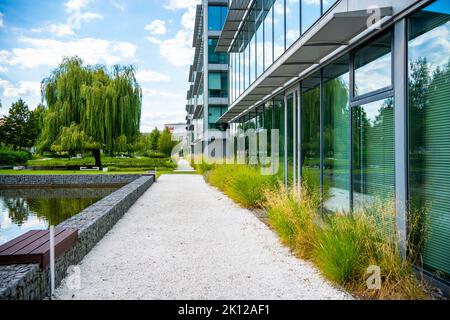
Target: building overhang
236, 13
326, 36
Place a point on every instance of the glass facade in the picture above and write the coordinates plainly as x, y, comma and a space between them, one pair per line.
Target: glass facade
429, 129
373, 66
271, 27
216, 17
292, 21
336, 105
216, 57
218, 84
311, 132
373, 153
347, 111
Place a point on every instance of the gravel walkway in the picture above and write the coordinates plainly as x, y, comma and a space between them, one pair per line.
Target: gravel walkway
185, 240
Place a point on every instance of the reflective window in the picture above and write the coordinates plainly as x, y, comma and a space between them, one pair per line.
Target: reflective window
310, 13
292, 21
279, 123
327, 4
373, 153
252, 51
278, 29
429, 129
259, 38
216, 17
218, 84
311, 133
336, 171
216, 57
268, 34
373, 66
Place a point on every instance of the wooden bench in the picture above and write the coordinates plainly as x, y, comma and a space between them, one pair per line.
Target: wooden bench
34, 247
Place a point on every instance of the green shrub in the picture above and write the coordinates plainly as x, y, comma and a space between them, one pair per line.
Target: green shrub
108, 162
10, 157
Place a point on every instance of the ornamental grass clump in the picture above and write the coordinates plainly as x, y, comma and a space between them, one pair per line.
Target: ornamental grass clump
350, 247
294, 216
248, 187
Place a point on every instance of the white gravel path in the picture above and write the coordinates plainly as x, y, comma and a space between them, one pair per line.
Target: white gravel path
185, 240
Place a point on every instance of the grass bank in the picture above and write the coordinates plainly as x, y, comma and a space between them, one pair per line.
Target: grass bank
349, 249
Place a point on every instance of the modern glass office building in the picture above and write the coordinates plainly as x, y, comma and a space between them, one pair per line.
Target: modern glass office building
360, 93
208, 94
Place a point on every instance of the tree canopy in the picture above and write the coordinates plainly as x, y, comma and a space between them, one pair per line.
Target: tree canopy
20, 128
90, 108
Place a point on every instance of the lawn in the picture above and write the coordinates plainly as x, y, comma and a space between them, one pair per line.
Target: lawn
55, 172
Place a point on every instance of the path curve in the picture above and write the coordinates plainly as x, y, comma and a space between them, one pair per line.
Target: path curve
185, 240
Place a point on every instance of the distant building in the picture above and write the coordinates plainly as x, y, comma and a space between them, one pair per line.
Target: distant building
178, 130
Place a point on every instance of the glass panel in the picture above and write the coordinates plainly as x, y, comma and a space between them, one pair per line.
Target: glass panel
259, 38
373, 66
279, 123
216, 17
278, 26
311, 133
290, 138
252, 44
218, 84
246, 57
213, 57
292, 21
429, 129
268, 34
336, 173
310, 13
327, 4
373, 152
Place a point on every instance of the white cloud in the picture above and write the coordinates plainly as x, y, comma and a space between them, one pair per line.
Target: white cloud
1, 20
188, 19
50, 52
178, 51
151, 76
157, 27
181, 4
146, 92
118, 6
23, 88
61, 30
74, 5
3, 69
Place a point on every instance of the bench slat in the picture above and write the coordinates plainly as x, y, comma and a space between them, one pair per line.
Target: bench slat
15, 241
34, 247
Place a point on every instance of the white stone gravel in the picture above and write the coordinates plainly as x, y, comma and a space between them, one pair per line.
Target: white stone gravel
185, 240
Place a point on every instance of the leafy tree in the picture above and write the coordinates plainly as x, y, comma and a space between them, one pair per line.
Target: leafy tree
154, 139
19, 129
166, 143
104, 106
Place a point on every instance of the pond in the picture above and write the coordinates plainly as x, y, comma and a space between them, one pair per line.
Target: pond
25, 209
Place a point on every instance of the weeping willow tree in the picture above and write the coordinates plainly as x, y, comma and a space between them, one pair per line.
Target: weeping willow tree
90, 108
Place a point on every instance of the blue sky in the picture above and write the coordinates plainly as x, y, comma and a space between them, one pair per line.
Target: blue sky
153, 35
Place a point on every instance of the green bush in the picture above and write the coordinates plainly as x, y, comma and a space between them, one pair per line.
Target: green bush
108, 162
10, 157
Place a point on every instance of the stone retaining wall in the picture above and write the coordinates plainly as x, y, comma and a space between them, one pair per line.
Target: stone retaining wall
29, 282
66, 179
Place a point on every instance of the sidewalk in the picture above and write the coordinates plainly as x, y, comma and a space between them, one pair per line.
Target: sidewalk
185, 240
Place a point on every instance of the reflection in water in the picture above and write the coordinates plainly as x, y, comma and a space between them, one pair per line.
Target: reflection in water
22, 210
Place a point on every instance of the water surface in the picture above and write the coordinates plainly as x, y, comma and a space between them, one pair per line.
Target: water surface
25, 209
